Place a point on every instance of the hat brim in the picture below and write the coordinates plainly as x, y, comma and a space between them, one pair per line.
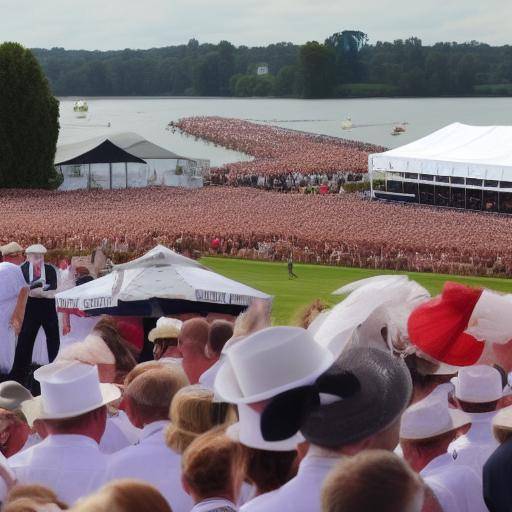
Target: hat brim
503, 418
33, 409
162, 332
288, 445
226, 383
459, 419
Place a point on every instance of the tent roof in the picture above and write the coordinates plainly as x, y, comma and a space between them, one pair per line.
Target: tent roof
118, 147
462, 150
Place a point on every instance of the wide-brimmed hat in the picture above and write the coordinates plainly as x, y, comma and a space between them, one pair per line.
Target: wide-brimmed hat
165, 328
68, 389
247, 432
478, 384
12, 394
503, 418
363, 393
36, 249
269, 362
10, 248
431, 417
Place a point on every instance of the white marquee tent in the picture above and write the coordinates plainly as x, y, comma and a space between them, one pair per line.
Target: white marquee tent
460, 150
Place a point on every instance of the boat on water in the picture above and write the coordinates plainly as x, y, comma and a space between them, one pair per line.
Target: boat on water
81, 109
398, 129
347, 124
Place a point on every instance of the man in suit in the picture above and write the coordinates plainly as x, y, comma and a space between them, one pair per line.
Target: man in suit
40, 311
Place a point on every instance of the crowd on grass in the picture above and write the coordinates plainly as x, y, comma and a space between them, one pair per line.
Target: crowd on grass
340, 229
283, 159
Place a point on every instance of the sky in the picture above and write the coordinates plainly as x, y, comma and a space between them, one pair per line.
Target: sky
119, 24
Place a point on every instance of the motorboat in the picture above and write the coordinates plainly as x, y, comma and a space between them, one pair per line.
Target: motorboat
398, 130
347, 124
81, 109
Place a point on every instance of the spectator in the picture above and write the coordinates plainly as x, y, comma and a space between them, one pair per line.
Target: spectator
165, 339
192, 343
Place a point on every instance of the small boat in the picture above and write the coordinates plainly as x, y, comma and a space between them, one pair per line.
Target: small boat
81, 109
397, 130
347, 124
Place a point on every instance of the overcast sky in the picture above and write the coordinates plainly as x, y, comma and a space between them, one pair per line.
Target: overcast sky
117, 24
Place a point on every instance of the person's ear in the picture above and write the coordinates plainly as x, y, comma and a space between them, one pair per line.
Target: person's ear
185, 485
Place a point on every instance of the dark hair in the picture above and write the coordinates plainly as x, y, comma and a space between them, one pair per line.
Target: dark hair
220, 332
478, 407
269, 470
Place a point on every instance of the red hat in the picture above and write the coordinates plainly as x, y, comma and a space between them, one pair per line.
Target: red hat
438, 326
131, 329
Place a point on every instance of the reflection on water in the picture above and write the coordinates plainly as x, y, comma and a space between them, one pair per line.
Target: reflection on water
373, 119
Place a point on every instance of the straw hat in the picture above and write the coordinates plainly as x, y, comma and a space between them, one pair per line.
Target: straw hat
269, 362
165, 328
36, 249
68, 389
478, 384
431, 417
503, 418
12, 394
10, 248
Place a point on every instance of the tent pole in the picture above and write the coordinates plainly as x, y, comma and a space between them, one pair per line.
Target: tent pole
126, 173
110, 174
89, 178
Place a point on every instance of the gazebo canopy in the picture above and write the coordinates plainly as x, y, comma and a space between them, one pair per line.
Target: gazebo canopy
483, 152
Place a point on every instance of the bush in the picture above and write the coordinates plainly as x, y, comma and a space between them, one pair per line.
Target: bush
29, 122
493, 89
365, 90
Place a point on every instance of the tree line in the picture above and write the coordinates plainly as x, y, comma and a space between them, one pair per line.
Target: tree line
344, 65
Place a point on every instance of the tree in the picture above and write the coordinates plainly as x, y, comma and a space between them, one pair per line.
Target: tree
317, 63
29, 121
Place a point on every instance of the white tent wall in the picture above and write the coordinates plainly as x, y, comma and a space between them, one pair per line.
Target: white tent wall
163, 172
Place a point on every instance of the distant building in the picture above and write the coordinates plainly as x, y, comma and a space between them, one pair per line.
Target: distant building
262, 69
125, 160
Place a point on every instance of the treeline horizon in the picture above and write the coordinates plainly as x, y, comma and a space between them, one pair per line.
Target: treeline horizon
344, 65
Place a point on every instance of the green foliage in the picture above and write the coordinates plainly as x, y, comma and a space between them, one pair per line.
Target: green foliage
365, 90
317, 68
493, 89
254, 85
29, 121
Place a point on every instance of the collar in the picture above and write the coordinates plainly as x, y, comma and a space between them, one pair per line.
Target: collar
153, 428
65, 440
440, 461
213, 504
319, 457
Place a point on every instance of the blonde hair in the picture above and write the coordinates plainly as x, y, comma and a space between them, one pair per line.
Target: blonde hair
31, 497
306, 315
194, 412
214, 465
124, 496
372, 480
141, 368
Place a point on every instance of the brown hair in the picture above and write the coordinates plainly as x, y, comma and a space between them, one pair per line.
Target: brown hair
142, 368
193, 412
306, 316
269, 470
220, 332
37, 494
371, 480
152, 392
214, 465
124, 496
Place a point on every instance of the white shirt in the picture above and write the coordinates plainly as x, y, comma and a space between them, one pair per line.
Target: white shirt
302, 493
71, 465
115, 438
457, 488
207, 378
154, 462
11, 283
214, 504
477, 445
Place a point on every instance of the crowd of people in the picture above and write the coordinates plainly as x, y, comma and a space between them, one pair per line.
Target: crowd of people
282, 159
390, 400
241, 222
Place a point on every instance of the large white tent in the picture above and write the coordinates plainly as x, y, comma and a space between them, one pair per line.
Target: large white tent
461, 150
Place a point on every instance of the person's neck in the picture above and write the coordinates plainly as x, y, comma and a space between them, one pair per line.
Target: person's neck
201, 366
17, 440
94, 435
426, 458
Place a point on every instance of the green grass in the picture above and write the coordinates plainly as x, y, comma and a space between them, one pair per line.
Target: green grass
318, 281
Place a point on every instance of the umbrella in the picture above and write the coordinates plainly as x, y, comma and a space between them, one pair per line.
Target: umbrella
159, 283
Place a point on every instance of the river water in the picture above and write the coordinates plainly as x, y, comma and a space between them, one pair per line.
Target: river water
373, 119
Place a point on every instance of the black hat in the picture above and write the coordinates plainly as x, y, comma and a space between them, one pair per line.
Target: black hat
363, 393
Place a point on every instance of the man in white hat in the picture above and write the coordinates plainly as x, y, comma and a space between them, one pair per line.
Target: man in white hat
165, 339
40, 311
477, 392
12, 253
72, 409
13, 300
426, 430
146, 401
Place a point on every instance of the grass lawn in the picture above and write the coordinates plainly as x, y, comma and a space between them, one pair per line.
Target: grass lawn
316, 281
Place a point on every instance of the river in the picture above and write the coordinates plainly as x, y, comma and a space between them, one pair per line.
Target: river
373, 119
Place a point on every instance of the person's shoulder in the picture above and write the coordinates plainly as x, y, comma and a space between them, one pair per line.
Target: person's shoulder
23, 457
501, 458
263, 502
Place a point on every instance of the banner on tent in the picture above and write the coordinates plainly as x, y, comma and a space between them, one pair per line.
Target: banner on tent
84, 304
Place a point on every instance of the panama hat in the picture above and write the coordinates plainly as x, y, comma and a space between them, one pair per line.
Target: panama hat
247, 432
431, 417
36, 249
10, 248
165, 328
68, 389
269, 362
478, 384
12, 394
503, 418
363, 393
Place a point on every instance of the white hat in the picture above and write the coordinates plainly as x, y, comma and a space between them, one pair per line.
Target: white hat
10, 248
503, 418
165, 328
431, 417
269, 362
478, 384
247, 432
36, 249
12, 395
68, 389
